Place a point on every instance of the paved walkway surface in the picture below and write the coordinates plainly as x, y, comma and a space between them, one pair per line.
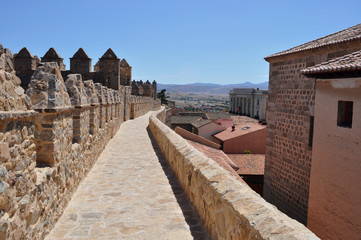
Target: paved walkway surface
131, 193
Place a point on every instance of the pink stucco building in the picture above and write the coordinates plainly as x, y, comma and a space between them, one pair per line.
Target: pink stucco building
334, 207
247, 137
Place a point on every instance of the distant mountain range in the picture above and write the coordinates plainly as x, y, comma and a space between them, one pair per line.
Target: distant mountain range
209, 88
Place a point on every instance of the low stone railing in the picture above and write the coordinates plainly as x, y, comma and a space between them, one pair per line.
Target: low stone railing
228, 208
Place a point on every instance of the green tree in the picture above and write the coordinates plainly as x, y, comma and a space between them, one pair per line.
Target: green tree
163, 97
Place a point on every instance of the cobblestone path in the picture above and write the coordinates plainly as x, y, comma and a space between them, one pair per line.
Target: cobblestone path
131, 193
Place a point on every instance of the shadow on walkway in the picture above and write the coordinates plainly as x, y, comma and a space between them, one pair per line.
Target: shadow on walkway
189, 212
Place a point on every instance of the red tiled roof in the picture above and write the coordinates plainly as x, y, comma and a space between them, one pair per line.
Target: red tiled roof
239, 131
218, 156
249, 164
350, 62
225, 122
200, 122
346, 35
191, 136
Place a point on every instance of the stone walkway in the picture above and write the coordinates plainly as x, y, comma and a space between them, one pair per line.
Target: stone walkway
131, 193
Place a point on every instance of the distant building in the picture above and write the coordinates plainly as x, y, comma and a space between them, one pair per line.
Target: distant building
241, 138
207, 128
249, 102
184, 122
334, 207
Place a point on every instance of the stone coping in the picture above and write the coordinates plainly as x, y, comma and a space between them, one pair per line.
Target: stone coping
54, 110
4, 115
228, 208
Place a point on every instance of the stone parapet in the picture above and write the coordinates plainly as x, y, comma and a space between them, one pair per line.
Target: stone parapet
46, 152
228, 208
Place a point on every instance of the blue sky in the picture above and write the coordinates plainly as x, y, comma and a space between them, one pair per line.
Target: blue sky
174, 41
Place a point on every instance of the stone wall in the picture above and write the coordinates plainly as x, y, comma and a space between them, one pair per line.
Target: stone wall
50, 138
141, 105
228, 208
291, 100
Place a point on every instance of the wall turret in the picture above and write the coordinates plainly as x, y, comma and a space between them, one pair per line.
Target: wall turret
53, 56
25, 64
109, 65
80, 62
125, 73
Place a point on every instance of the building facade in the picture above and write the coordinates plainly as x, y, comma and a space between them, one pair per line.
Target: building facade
249, 102
336, 169
290, 119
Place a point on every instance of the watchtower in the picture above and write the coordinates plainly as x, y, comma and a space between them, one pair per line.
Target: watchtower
125, 73
109, 65
80, 62
53, 56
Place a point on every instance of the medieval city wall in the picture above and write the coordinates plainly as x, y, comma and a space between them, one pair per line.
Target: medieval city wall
291, 100
50, 137
228, 208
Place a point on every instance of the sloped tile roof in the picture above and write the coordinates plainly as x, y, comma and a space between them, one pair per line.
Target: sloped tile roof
200, 122
350, 62
249, 164
346, 35
218, 156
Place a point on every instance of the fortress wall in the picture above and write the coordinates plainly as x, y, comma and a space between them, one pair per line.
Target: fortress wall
141, 105
228, 208
50, 138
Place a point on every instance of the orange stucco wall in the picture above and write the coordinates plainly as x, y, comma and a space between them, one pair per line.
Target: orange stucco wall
334, 208
253, 141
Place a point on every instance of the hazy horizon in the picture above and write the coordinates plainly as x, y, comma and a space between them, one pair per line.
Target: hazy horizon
176, 41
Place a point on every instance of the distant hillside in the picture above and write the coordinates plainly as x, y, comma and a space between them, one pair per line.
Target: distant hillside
209, 88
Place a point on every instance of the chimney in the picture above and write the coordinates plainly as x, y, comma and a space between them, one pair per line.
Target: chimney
233, 128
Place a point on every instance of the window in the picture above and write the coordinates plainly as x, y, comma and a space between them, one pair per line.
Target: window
344, 114
257, 101
310, 136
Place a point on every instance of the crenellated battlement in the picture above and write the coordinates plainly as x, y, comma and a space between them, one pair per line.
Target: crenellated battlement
52, 134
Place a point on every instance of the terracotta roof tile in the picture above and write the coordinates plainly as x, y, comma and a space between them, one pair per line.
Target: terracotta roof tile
350, 62
346, 35
239, 131
200, 122
218, 156
249, 164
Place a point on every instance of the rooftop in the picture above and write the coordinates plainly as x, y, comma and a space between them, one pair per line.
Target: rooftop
51, 54
81, 54
346, 35
218, 156
217, 115
24, 53
350, 62
239, 131
200, 122
184, 119
249, 164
